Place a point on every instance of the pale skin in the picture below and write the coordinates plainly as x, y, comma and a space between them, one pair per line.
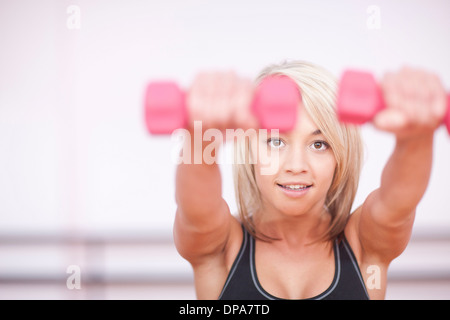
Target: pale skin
209, 236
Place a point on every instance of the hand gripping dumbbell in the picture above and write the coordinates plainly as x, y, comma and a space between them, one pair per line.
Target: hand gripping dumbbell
360, 98
274, 104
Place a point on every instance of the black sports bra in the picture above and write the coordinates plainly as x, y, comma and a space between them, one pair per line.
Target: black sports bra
242, 282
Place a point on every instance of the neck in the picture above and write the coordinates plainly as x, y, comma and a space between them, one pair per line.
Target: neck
294, 230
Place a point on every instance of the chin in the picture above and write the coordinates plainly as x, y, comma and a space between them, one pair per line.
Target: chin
295, 212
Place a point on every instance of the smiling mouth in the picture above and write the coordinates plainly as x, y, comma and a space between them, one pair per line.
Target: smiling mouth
294, 187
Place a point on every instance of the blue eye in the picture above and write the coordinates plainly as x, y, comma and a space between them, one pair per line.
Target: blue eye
275, 142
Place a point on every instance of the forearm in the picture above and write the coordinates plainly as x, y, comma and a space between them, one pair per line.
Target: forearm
406, 175
202, 219
414, 110
198, 185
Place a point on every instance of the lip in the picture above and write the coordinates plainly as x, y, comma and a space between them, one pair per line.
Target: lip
284, 183
294, 193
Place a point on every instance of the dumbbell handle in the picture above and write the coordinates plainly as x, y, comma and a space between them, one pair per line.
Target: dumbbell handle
275, 104
357, 89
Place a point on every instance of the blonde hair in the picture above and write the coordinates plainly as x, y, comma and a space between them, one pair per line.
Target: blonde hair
318, 90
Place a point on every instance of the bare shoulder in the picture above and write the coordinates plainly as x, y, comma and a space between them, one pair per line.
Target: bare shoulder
210, 273
351, 233
373, 270
234, 242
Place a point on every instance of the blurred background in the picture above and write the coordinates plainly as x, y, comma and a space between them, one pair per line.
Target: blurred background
87, 196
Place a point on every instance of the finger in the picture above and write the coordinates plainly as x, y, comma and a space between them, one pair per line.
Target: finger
419, 98
438, 99
242, 117
221, 104
414, 93
390, 120
210, 99
398, 91
390, 90
194, 99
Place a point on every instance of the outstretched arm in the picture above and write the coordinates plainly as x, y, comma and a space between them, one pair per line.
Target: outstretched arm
416, 103
203, 219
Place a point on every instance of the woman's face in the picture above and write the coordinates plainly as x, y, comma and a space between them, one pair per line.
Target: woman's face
303, 166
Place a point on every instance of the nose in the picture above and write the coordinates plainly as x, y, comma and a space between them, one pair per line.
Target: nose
296, 161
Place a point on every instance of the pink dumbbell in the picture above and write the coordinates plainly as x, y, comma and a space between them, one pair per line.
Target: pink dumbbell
360, 98
275, 105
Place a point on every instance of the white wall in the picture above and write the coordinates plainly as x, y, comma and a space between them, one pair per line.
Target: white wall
74, 154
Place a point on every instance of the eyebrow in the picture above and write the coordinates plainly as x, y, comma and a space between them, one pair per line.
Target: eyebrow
315, 133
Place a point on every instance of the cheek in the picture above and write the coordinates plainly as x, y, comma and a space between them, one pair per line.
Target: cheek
263, 181
265, 185
325, 171
267, 164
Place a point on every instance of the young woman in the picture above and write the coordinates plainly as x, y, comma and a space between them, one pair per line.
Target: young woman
295, 236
